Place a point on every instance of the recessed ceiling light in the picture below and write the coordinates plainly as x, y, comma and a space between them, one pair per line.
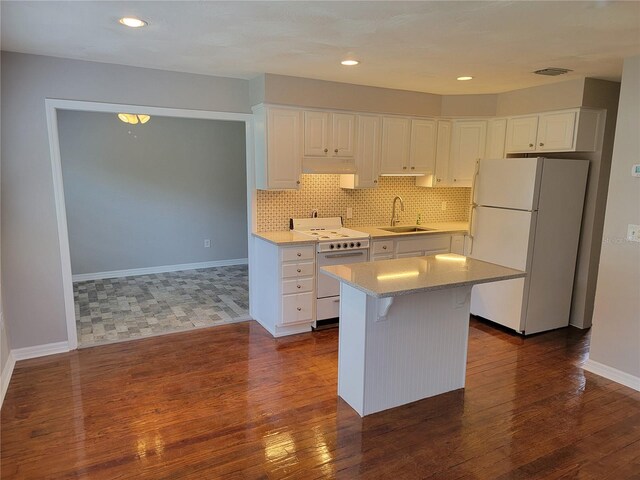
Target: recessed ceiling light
133, 22
349, 63
465, 78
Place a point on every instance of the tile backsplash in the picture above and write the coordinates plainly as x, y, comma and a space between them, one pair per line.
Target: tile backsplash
371, 206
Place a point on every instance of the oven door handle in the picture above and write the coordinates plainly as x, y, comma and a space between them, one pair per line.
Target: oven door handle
343, 255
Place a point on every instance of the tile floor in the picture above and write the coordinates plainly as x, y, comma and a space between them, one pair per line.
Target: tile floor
118, 309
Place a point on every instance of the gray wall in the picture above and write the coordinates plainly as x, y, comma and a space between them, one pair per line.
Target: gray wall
615, 340
148, 195
31, 270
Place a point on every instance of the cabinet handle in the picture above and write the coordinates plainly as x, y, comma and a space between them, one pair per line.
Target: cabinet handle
299, 254
298, 182
336, 150
455, 179
299, 271
326, 150
413, 168
531, 145
299, 286
541, 144
384, 247
375, 181
299, 309
404, 168
438, 179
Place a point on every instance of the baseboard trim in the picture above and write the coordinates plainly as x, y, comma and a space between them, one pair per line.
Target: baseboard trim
7, 371
39, 350
83, 277
613, 374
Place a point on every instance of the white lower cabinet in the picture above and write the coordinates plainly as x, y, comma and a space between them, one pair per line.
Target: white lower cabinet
457, 244
417, 245
284, 288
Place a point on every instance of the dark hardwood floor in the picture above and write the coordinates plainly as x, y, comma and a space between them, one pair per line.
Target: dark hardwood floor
231, 402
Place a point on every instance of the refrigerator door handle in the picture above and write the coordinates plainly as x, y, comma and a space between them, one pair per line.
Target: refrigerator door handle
473, 208
476, 171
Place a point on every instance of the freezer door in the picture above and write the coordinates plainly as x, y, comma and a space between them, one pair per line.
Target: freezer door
509, 183
503, 237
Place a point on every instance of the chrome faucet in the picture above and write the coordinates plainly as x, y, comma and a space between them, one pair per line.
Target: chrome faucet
395, 217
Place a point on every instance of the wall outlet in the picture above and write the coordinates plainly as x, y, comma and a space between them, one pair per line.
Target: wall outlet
444, 206
349, 212
207, 243
633, 233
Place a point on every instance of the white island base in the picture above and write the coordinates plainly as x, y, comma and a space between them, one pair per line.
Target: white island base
396, 350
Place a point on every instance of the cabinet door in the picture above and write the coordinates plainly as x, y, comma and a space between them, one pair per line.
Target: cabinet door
316, 134
521, 134
422, 158
556, 131
443, 153
396, 135
284, 153
469, 140
496, 136
343, 135
368, 152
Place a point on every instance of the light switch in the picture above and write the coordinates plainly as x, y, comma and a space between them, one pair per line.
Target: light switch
349, 212
633, 233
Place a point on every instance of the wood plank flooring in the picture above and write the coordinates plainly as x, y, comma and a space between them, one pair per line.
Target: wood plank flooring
230, 402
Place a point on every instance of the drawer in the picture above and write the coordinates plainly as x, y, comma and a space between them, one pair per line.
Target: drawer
300, 269
301, 252
388, 256
382, 246
297, 308
410, 254
297, 286
327, 308
424, 243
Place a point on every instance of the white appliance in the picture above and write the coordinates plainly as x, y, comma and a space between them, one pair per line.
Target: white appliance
336, 246
526, 213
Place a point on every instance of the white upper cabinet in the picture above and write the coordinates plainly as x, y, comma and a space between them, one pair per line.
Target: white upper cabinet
555, 131
329, 134
522, 133
496, 136
367, 154
572, 130
396, 135
467, 147
278, 149
422, 158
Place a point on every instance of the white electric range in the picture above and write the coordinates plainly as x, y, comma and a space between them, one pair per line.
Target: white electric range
336, 245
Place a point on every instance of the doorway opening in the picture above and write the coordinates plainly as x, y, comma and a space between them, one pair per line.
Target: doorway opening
154, 218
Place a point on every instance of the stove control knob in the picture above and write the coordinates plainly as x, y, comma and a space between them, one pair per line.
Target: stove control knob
358, 244
352, 244
338, 245
331, 247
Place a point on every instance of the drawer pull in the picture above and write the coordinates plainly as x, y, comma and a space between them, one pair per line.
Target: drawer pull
299, 270
336, 301
384, 247
299, 309
299, 286
299, 254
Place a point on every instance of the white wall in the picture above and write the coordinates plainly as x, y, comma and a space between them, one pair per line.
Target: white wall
31, 269
615, 338
148, 195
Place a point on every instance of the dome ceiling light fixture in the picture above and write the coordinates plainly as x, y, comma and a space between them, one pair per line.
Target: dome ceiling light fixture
349, 62
132, 22
133, 118
464, 78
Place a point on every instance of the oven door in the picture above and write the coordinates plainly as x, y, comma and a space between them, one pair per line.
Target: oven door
330, 287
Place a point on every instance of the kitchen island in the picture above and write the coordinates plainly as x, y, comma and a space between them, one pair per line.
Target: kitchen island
404, 327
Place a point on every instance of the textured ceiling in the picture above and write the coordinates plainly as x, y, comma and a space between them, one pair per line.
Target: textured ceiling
419, 46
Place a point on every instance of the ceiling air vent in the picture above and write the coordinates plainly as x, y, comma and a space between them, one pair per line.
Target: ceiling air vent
552, 71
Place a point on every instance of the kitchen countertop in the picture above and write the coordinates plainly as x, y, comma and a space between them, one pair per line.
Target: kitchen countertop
287, 237
438, 227
405, 276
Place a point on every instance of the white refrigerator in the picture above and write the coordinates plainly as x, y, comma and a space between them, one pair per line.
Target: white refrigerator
526, 213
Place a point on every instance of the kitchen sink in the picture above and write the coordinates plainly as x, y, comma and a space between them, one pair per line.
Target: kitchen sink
406, 229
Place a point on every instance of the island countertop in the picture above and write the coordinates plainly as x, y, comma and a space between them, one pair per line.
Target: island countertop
404, 276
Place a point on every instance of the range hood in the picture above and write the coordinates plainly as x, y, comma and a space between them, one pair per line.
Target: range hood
328, 165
